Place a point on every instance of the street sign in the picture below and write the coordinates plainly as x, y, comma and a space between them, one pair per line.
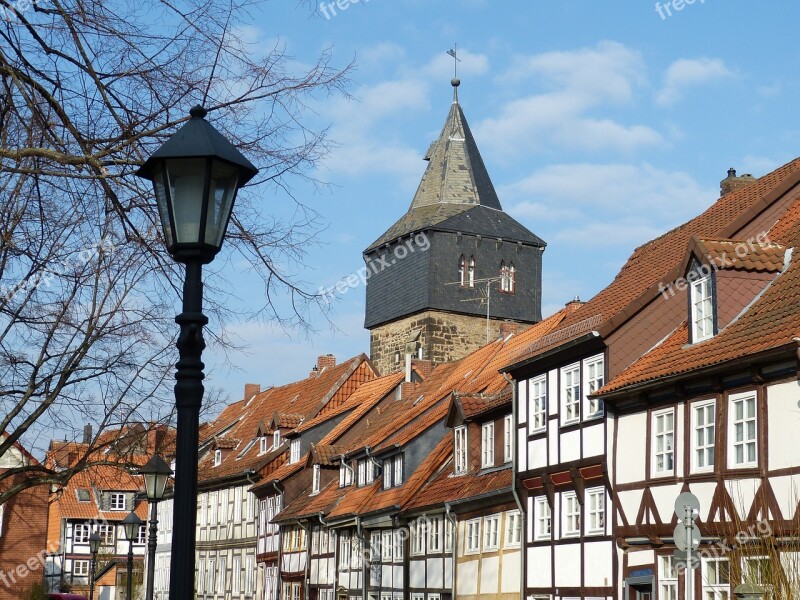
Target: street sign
679, 560
680, 537
684, 500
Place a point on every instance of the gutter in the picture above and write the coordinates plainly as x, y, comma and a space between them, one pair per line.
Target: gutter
448, 514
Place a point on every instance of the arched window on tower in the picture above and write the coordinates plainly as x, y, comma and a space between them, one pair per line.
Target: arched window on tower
462, 270
508, 282
472, 271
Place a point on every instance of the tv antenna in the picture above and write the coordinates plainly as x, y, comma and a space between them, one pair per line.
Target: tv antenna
484, 298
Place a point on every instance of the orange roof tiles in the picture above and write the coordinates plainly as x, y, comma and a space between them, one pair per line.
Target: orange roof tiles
741, 255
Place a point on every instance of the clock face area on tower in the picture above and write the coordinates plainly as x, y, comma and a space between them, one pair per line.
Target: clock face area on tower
455, 271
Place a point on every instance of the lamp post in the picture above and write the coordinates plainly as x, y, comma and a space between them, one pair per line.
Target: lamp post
156, 473
196, 175
94, 548
131, 524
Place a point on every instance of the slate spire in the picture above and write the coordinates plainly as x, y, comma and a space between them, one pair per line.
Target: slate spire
456, 173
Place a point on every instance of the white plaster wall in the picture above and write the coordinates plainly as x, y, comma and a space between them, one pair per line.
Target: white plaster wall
435, 573
593, 440
705, 494
537, 454
570, 446
490, 568
522, 451
416, 574
539, 572
641, 557
568, 555
522, 401
783, 418
631, 448
598, 565
466, 577
552, 392
511, 573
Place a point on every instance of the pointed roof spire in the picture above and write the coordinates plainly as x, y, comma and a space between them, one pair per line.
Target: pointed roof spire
456, 173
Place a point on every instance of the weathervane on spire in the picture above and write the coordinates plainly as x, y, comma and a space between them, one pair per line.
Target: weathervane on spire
456, 60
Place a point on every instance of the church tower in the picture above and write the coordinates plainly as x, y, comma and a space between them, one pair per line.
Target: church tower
453, 257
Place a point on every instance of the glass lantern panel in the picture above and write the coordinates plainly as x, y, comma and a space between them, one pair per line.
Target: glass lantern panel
163, 206
186, 178
224, 178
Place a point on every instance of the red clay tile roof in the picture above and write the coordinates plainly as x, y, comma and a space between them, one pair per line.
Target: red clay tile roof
102, 478
287, 420
657, 260
474, 405
326, 455
449, 488
741, 255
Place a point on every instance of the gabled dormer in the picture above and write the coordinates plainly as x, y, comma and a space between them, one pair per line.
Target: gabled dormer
482, 431
722, 277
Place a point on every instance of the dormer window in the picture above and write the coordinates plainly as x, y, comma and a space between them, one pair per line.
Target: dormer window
315, 480
294, 451
262, 444
345, 475
702, 309
217, 457
119, 501
460, 450
276, 439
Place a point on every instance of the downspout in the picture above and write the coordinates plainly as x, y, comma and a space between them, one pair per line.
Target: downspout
448, 513
522, 516
364, 565
278, 579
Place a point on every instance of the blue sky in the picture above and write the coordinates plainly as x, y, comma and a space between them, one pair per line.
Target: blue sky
602, 124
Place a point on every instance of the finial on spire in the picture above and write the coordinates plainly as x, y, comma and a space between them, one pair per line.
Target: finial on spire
455, 82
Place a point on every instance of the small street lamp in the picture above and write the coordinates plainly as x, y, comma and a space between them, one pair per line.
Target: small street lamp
156, 473
131, 524
196, 175
94, 548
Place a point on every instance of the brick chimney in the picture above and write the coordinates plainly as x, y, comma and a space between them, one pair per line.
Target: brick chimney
87, 433
732, 183
507, 328
313, 373
574, 305
326, 361
251, 389
407, 389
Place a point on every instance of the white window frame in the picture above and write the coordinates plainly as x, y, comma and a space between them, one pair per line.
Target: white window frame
594, 378
667, 578
491, 532
398, 470
237, 503
733, 431
223, 574
213, 507
345, 550
398, 550
217, 458
596, 511
276, 439
461, 449
420, 533
249, 571
236, 575
387, 473
107, 533
434, 535
294, 451
345, 475
212, 575
666, 450
508, 439
538, 404
362, 473
448, 535
571, 513
141, 535
513, 529
315, 475
113, 501
571, 394
386, 545
262, 444
543, 521
701, 301
714, 591
80, 531
487, 445
472, 541
703, 433
80, 568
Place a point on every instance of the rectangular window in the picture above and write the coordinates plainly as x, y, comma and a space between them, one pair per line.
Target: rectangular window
702, 310
398, 551
370, 471
315, 480
667, 579
249, 573
448, 535
106, 533
387, 473
417, 596
487, 445
508, 439
295, 591
386, 546
491, 532
461, 450
119, 501
357, 552
716, 578
262, 445
251, 506
80, 568
513, 529
435, 535
703, 436
664, 442
538, 410
80, 533
419, 536
571, 394
398, 470
344, 549
276, 440
542, 519
571, 515
213, 507
294, 451
141, 535
236, 576
212, 576
743, 432
473, 536
217, 457
315, 540
237, 504
375, 547
345, 475
596, 500
223, 572
595, 374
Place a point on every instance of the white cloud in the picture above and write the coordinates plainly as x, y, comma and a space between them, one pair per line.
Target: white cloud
578, 82
689, 72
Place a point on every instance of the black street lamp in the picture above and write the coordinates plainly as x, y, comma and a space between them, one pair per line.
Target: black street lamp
94, 548
196, 175
131, 525
156, 473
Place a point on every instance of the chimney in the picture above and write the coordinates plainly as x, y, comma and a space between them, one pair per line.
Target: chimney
323, 362
732, 183
87, 433
423, 367
407, 389
251, 389
574, 305
314, 372
508, 328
